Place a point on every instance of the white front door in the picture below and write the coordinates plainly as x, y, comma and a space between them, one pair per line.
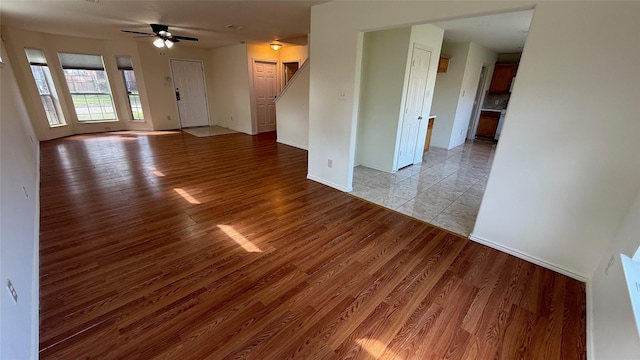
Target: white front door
413, 107
264, 85
188, 79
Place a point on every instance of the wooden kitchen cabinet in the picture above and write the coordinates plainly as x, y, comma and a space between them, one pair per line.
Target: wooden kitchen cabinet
443, 64
427, 142
502, 77
487, 124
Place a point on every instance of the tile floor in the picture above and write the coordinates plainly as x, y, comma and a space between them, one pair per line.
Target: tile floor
445, 189
204, 131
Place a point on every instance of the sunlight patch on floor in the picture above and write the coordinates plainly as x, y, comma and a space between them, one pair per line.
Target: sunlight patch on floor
376, 348
185, 195
247, 245
155, 171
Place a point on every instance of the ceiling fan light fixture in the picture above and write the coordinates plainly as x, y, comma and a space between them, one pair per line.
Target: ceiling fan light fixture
168, 44
275, 47
158, 42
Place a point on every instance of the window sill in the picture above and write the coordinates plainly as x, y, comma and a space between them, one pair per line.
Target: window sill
98, 122
57, 126
631, 268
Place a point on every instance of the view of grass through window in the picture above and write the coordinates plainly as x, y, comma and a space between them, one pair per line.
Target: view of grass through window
90, 93
89, 87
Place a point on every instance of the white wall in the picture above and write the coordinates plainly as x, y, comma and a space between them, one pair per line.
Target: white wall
230, 88
156, 68
456, 90
613, 325
384, 64
477, 57
292, 111
336, 50
447, 93
567, 166
431, 37
231, 83
19, 222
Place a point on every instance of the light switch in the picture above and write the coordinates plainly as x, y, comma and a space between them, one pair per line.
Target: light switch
342, 94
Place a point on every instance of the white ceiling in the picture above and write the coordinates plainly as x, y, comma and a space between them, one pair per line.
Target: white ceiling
502, 33
254, 21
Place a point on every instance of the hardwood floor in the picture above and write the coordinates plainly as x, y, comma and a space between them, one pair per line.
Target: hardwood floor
168, 246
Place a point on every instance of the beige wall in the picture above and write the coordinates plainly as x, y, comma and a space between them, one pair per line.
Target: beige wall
230, 88
19, 221
553, 145
456, 90
151, 66
18, 39
384, 61
156, 68
614, 328
292, 111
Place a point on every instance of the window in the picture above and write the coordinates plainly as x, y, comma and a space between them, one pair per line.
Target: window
125, 66
89, 87
42, 77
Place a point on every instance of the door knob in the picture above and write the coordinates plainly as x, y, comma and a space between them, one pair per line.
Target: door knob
419, 117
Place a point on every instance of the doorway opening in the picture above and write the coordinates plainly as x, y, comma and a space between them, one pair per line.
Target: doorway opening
447, 187
477, 103
288, 70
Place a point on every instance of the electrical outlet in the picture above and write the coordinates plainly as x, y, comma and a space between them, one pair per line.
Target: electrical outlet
611, 261
330, 163
12, 291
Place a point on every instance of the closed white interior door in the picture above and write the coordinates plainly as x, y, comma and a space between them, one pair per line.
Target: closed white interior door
191, 95
264, 85
416, 91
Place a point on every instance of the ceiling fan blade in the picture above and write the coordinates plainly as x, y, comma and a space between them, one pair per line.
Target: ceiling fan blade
178, 37
156, 28
144, 36
137, 32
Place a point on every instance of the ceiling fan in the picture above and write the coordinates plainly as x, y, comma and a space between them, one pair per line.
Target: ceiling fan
163, 36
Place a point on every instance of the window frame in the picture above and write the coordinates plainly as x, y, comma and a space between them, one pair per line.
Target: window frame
125, 67
95, 75
49, 100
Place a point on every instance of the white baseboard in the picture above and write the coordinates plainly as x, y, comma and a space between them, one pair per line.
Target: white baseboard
329, 183
285, 142
529, 258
